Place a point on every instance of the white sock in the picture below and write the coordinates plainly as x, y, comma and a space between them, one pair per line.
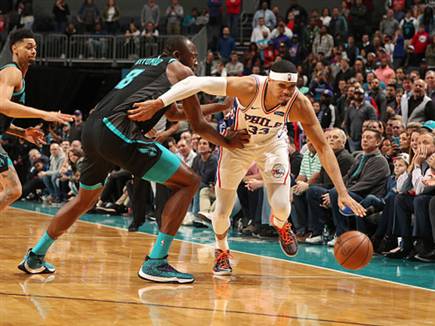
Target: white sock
222, 244
225, 199
277, 222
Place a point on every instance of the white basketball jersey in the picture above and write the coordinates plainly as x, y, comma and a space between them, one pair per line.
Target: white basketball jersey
262, 125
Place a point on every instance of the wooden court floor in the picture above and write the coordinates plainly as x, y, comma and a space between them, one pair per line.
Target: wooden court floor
96, 284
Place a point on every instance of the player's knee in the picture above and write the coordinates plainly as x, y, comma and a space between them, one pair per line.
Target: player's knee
15, 192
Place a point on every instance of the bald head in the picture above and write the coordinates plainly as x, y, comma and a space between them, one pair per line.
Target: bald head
183, 49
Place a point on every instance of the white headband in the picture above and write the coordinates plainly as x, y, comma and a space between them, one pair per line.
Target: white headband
284, 76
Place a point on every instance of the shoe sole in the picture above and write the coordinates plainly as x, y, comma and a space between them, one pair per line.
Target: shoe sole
158, 279
223, 273
314, 243
425, 260
286, 253
23, 268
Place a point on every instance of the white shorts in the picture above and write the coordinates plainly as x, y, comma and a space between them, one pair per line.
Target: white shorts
272, 158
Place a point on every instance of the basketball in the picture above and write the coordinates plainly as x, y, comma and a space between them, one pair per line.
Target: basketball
353, 250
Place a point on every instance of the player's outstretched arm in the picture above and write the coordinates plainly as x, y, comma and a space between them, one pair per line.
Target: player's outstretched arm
33, 135
242, 87
304, 112
10, 78
202, 127
176, 113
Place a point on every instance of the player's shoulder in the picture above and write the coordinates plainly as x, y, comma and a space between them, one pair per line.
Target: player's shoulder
11, 72
181, 71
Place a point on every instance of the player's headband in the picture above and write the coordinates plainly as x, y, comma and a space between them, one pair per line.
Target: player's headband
283, 76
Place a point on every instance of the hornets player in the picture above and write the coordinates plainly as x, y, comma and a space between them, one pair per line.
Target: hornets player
264, 105
111, 139
12, 99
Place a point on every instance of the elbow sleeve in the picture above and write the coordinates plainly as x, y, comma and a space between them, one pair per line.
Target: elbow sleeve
192, 85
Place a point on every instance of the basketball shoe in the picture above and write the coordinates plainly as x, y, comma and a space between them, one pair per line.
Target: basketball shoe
158, 270
222, 265
287, 240
35, 264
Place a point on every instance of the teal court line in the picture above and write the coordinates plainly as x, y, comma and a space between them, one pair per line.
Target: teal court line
416, 274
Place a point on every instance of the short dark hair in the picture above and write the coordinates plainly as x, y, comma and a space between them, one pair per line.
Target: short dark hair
20, 34
377, 133
175, 43
284, 66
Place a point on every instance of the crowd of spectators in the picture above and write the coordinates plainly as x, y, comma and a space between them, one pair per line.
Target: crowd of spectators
372, 86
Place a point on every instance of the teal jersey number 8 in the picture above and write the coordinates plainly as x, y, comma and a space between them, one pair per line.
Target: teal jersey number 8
129, 78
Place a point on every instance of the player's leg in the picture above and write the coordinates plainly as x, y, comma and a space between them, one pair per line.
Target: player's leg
184, 183
274, 165
279, 201
94, 171
232, 168
9, 181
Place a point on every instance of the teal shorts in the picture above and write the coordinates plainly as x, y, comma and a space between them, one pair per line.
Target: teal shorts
5, 161
107, 147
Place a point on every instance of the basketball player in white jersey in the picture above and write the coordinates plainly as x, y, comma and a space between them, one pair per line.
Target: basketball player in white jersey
265, 104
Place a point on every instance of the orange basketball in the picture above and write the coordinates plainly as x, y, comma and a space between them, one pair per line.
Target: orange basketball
353, 250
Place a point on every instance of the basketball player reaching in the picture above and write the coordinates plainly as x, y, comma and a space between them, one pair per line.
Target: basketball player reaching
265, 104
12, 98
111, 139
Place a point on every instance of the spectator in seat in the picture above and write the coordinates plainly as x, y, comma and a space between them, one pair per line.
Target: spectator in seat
185, 151
419, 107
323, 42
338, 26
379, 99
408, 25
420, 41
316, 215
174, 17
234, 67
150, 13
205, 165
415, 200
429, 181
357, 113
38, 163
267, 14
233, 16
384, 72
61, 13
150, 33
226, 44
430, 83
111, 16
75, 132
367, 176
88, 15
259, 30
389, 24
50, 177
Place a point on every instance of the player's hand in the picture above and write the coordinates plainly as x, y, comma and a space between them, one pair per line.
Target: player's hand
420, 155
237, 138
301, 187
431, 161
161, 137
35, 136
326, 200
254, 184
429, 181
347, 201
58, 116
143, 111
